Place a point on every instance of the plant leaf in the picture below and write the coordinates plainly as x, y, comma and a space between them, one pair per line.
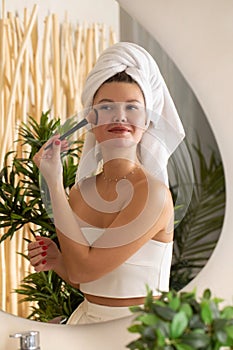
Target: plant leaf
183, 347
196, 340
179, 324
206, 313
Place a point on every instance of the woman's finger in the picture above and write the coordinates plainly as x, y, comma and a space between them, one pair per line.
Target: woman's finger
37, 252
42, 153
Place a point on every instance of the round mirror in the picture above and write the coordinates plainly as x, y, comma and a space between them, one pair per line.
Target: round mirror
193, 245
181, 26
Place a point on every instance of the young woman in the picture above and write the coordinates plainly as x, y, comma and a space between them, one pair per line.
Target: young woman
116, 231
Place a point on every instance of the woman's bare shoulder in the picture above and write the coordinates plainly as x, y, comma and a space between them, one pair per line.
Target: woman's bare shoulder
155, 186
79, 188
79, 185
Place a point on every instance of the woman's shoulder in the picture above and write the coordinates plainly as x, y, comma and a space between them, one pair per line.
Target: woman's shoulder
154, 184
82, 183
159, 192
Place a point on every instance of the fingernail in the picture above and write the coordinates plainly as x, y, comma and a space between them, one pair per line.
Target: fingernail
43, 254
43, 262
57, 142
45, 247
41, 242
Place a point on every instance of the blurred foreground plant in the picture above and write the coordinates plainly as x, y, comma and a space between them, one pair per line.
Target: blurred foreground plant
181, 321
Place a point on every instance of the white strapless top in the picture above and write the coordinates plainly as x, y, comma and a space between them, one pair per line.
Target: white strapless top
150, 265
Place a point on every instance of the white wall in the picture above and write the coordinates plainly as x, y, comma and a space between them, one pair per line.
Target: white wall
106, 336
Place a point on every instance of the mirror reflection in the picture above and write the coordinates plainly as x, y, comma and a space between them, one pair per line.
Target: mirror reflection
109, 273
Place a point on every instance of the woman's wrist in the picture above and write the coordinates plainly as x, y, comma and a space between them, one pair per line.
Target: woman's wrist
56, 185
59, 266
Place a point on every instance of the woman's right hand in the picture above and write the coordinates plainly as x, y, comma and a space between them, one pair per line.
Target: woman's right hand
44, 254
48, 159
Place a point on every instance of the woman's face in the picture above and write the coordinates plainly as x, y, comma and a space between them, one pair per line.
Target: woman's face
121, 114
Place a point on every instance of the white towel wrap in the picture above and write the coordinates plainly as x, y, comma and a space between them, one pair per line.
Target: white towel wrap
165, 130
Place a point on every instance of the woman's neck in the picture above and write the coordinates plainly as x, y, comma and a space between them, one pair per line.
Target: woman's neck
119, 168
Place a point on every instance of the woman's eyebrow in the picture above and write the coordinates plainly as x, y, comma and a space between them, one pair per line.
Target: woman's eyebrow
109, 100
105, 100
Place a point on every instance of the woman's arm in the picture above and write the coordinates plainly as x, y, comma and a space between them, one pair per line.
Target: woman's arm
126, 234
44, 255
129, 231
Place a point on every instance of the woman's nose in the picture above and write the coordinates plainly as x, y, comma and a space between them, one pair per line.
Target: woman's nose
120, 117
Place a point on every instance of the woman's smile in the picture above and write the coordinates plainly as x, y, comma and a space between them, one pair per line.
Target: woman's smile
120, 129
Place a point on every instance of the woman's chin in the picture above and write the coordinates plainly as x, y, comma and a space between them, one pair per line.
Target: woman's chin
118, 142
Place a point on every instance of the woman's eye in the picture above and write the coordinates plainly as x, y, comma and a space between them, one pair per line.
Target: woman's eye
131, 107
105, 107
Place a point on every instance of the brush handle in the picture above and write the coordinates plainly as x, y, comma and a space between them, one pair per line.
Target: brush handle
78, 126
82, 123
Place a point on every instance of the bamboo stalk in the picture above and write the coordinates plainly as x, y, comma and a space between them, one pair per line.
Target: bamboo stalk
72, 58
18, 241
88, 53
103, 37
25, 76
78, 43
56, 66
17, 69
2, 67
71, 75
45, 62
64, 52
8, 71
13, 55
20, 93
113, 38
3, 273
96, 41
12, 274
3, 9
78, 52
36, 72
9, 123
67, 69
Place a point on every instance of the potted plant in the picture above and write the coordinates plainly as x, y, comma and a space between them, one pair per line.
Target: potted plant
21, 205
182, 321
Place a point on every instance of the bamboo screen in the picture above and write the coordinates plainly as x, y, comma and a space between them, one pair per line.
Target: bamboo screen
40, 70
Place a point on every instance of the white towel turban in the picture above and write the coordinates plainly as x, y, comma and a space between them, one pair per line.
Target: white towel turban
165, 130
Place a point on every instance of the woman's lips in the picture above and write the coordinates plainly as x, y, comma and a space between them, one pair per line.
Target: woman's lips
119, 129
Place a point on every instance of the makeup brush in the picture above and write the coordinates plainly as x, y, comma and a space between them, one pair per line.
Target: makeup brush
89, 119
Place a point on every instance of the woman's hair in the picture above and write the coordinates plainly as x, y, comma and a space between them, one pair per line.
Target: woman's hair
121, 77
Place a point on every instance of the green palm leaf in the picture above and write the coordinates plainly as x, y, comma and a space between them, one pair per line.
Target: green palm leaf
197, 234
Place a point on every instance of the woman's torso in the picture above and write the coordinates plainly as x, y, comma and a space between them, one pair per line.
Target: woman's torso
126, 285
90, 215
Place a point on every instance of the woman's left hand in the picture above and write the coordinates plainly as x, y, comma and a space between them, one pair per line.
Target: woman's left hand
49, 160
44, 254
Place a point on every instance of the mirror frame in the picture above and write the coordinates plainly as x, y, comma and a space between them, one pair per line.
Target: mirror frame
182, 29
